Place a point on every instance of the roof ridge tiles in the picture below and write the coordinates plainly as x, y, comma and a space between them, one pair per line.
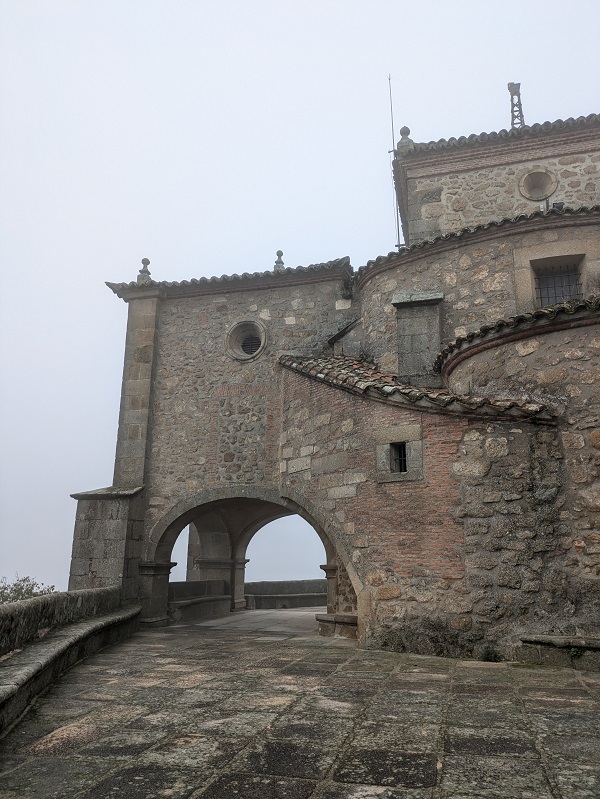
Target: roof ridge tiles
457, 234
526, 130
342, 262
338, 370
548, 312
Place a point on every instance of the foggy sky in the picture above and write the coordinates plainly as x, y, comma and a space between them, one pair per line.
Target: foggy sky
205, 136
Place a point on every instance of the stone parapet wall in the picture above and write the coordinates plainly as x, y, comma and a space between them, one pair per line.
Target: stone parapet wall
27, 672
287, 587
26, 621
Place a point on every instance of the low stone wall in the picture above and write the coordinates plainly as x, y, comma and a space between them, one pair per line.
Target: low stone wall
275, 594
30, 619
194, 589
198, 599
25, 673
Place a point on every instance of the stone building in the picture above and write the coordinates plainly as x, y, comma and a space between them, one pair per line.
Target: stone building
434, 415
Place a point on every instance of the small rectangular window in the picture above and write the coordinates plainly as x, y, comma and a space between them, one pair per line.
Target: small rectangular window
557, 280
398, 457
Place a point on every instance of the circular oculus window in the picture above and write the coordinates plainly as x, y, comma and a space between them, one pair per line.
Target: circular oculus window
246, 340
538, 184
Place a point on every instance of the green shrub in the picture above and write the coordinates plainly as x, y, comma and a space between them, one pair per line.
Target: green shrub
22, 588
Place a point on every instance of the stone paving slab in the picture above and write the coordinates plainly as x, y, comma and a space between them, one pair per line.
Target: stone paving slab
257, 706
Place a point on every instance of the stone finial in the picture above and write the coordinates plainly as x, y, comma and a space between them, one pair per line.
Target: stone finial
279, 265
406, 144
144, 276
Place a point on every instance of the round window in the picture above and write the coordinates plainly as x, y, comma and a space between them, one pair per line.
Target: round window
246, 340
538, 184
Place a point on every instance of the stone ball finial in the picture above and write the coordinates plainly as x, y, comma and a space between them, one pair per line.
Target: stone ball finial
144, 275
279, 263
405, 144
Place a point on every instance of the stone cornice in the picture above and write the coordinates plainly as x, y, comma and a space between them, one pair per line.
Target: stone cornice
524, 223
580, 126
112, 492
338, 270
562, 316
502, 153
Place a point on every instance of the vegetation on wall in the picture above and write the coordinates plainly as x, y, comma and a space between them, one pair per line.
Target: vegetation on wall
22, 588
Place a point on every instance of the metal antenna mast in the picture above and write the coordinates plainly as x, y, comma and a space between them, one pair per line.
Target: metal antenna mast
516, 109
396, 222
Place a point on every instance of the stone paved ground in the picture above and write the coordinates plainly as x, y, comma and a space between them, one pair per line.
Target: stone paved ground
259, 707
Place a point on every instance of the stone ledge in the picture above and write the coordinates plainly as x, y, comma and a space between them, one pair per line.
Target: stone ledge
576, 652
26, 673
342, 624
196, 608
574, 641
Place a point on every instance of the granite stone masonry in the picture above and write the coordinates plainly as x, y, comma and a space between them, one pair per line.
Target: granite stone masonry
434, 415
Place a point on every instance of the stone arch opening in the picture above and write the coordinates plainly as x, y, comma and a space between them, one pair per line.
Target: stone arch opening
222, 523
286, 549
284, 566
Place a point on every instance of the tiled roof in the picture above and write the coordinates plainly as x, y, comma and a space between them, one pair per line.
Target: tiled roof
560, 125
339, 263
361, 377
459, 234
547, 313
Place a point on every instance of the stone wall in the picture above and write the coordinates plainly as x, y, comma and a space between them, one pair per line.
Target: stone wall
519, 574
217, 419
452, 201
562, 370
346, 595
447, 187
402, 540
484, 278
28, 620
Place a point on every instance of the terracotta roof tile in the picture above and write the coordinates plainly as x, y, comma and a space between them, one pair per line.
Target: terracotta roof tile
459, 234
560, 125
339, 263
361, 377
547, 313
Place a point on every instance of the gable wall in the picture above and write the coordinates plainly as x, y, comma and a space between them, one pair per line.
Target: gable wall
447, 190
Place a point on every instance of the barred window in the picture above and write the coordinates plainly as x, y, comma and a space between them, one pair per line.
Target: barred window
398, 463
557, 280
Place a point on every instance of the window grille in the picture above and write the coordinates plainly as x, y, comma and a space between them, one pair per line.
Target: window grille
557, 284
398, 463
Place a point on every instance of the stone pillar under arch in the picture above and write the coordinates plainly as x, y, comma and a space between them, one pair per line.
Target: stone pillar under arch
331, 570
154, 583
238, 579
338, 621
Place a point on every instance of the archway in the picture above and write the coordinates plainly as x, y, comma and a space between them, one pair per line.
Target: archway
286, 549
222, 522
284, 567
